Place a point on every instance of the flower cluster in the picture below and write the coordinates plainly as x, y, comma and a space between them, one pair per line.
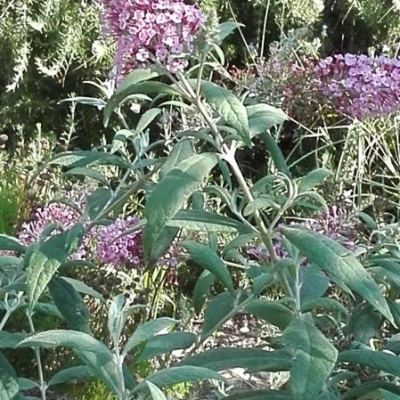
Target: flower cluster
163, 29
117, 244
54, 213
360, 86
116, 247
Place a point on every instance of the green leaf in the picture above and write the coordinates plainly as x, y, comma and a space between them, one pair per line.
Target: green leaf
196, 220
260, 203
229, 107
171, 194
314, 359
364, 323
226, 28
156, 393
147, 330
93, 353
116, 317
271, 311
208, 259
262, 281
27, 384
165, 239
263, 117
275, 153
96, 202
379, 360
368, 220
313, 179
215, 314
11, 243
324, 304
166, 343
9, 387
120, 138
202, 289
70, 304
39, 272
9, 340
339, 262
180, 152
70, 374
88, 173
86, 158
260, 395
149, 88
368, 388
147, 118
253, 360
174, 375
314, 284
81, 287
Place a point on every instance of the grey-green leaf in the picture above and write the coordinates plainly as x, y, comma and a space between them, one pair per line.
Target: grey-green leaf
249, 359
271, 311
339, 262
206, 221
147, 330
11, 243
9, 387
314, 359
379, 360
70, 304
260, 395
229, 107
313, 179
216, 312
166, 343
208, 259
92, 352
70, 374
174, 375
202, 289
171, 194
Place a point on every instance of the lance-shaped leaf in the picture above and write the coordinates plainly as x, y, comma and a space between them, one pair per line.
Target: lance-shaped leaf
313, 179
166, 343
275, 153
70, 374
379, 360
174, 375
202, 289
208, 259
331, 257
146, 331
180, 152
249, 359
274, 313
196, 220
217, 313
89, 173
229, 107
11, 243
86, 158
260, 395
92, 352
263, 117
314, 359
171, 194
148, 88
9, 387
70, 304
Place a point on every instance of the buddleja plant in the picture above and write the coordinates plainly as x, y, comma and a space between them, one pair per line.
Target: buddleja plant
300, 263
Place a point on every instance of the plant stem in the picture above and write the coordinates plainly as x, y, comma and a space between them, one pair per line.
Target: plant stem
43, 385
265, 237
120, 370
5, 319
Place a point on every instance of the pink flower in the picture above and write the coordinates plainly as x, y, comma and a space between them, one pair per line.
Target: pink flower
141, 26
